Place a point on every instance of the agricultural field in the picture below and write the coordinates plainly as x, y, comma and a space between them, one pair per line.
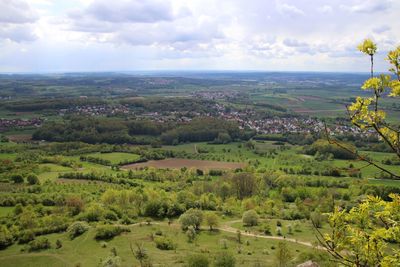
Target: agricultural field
187, 163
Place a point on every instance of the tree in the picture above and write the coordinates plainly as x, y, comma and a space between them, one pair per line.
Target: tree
32, 179
140, 254
198, 260
191, 234
244, 184
224, 259
17, 178
192, 217
317, 219
367, 114
211, 220
250, 218
352, 245
6, 238
74, 204
283, 255
77, 229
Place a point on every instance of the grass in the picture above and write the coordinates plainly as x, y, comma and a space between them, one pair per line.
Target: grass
85, 251
288, 158
4, 211
115, 157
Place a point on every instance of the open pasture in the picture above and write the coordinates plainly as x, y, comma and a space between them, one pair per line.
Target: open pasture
186, 163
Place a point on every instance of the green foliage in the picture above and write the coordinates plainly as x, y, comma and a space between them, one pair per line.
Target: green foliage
39, 243
108, 232
250, 218
32, 179
164, 243
6, 238
192, 217
283, 255
211, 220
350, 243
76, 229
324, 147
198, 260
224, 259
17, 178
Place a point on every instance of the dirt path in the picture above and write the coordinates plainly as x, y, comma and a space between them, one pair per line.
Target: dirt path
229, 229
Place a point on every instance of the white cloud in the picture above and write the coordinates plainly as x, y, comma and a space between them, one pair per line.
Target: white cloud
369, 6
325, 9
381, 29
16, 12
287, 9
227, 34
16, 19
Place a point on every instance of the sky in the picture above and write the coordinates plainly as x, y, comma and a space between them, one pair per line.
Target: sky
132, 35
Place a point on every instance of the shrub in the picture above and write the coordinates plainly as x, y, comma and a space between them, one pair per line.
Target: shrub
39, 244
192, 218
26, 237
250, 218
58, 244
92, 214
109, 232
110, 215
198, 260
224, 259
164, 243
17, 178
77, 228
32, 179
6, 239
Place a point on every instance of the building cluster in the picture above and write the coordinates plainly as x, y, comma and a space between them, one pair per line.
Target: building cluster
12, 123
216, 95
96, 110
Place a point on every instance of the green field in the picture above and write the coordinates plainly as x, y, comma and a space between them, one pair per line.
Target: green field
115, 157
86, 251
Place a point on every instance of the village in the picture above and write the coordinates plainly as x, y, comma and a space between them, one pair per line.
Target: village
13, 123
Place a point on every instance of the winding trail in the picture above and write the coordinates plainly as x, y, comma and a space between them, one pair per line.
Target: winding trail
226, 227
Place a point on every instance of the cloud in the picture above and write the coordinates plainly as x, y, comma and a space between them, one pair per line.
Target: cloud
369, 6
145, 23
325, 9
17, 33
16, 21
381, 29
286, 9
294, 43
225, 34
16, 12
127, 11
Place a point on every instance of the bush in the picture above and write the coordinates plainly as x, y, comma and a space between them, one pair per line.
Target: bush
198, 260
224, 259
109, 232
192, 218
17, 178
39, 244
58, 244
6, 239
26, 237
32, 179
110, 215
164, 243
250, 218
77, 228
